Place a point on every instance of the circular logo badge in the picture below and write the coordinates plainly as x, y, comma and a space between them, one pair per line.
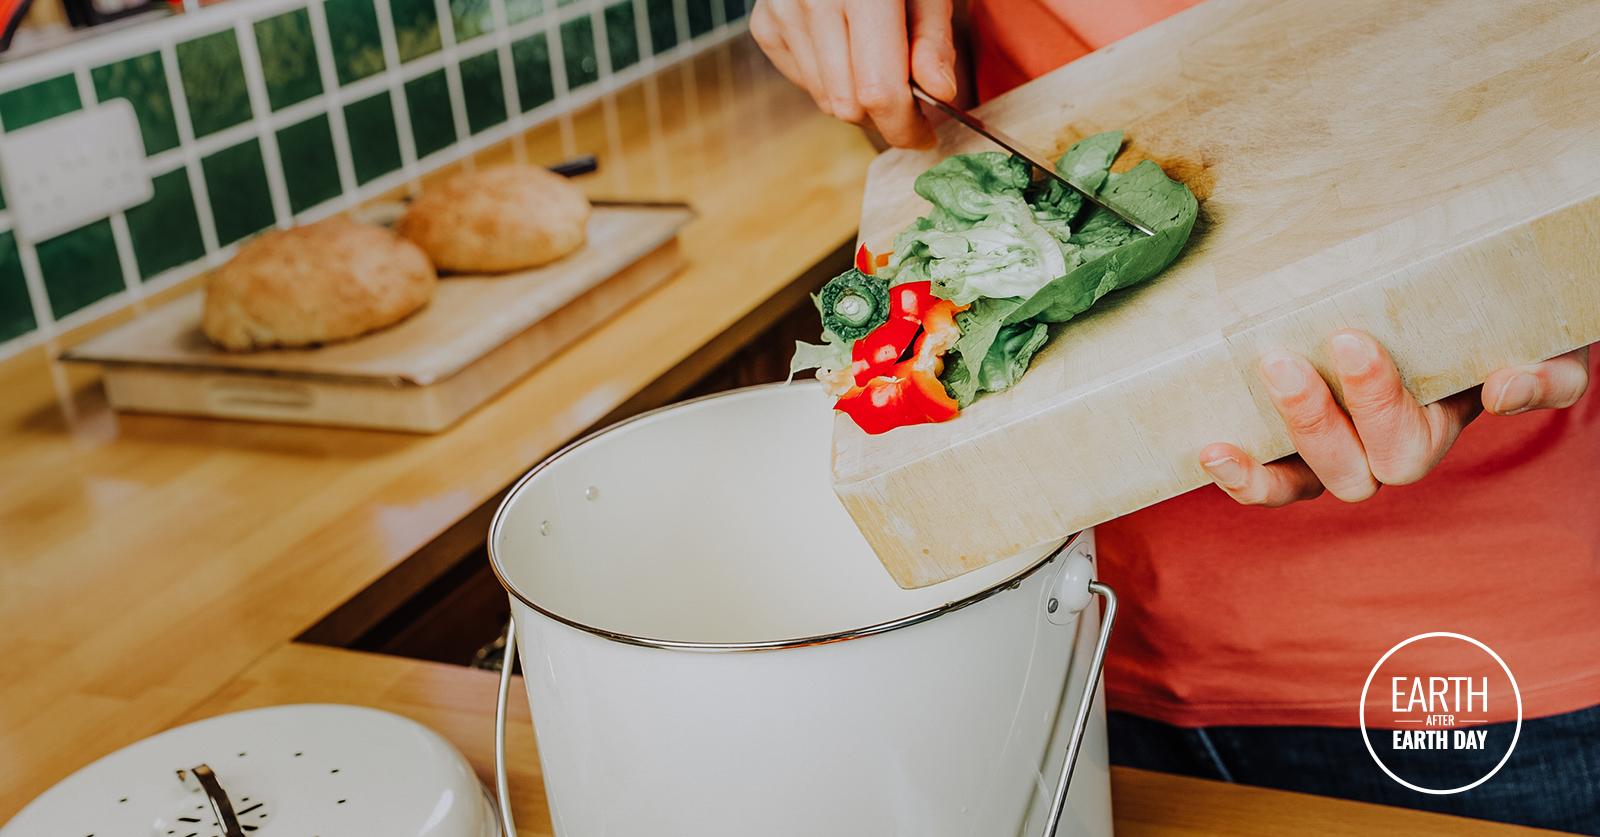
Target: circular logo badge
1427, 710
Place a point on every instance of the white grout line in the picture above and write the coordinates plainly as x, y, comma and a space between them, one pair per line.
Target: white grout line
508, 70
187, 149
261, 106
680, 16
397, 93
450, 54
641, 32
334, 96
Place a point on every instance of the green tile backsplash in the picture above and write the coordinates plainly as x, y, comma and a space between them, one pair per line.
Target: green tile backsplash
663, 25
288, 58
332, 93
142, 80
578, 52
354, 35
213, 82
520, 10
530, 58
166, 229
39, 101
310, 170
471, 18
433, 124
621, 36
482, 91
374, 141
700, 20
16, 308
236, 183
80, 267
416, 27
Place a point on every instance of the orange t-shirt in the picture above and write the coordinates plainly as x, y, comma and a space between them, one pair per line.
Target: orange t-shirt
1235, 615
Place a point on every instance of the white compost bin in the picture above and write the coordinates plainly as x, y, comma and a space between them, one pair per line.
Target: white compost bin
712, 650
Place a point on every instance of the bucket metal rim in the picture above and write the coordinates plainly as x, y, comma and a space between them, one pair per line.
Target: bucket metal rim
757, 645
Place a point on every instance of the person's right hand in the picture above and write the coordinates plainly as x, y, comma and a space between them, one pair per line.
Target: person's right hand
856, 57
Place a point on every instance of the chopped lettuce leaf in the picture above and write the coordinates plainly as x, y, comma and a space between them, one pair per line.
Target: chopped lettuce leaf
966, 186
1115, 255
1008, 253
830, 355
1088, 161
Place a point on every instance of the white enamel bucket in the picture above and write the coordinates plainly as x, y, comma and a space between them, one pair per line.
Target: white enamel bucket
710, 649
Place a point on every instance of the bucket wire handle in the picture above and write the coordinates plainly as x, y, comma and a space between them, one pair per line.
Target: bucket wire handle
1096, 665
502, 784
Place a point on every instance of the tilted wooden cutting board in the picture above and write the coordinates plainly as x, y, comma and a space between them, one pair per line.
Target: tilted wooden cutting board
1428, 171
477, 336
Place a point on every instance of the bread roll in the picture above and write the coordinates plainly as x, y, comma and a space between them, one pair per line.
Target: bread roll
327, 281
498, 219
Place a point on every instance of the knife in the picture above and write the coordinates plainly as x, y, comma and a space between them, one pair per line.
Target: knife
1016, 149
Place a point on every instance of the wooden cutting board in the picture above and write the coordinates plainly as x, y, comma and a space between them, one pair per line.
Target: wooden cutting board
477, 336
1428, 171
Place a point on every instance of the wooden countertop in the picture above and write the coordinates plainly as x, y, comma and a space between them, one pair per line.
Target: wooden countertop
459, 704
145, 561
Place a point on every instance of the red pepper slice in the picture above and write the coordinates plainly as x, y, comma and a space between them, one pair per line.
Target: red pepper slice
864, 260
910, 396
879, 351
911, 299
908, 305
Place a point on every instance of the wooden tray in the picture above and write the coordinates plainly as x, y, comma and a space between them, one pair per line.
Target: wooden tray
1428, 171
477, 336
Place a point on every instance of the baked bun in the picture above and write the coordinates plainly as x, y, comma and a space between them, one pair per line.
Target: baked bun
327, 281
498, 219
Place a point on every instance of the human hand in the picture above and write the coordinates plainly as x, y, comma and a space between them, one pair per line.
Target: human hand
856, 57
1386, 437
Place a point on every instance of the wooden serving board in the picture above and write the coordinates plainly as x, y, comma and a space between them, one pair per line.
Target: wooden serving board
1428, 171
477, 336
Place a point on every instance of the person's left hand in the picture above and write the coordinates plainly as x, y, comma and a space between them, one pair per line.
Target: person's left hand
1386, 438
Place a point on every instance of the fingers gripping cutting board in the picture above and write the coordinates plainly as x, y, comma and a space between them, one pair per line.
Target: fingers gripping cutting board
1428, 171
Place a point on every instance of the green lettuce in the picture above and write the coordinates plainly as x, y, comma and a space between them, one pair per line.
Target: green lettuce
999, 336
1026, 256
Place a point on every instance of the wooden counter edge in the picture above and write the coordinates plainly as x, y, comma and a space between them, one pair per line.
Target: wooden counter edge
458, 703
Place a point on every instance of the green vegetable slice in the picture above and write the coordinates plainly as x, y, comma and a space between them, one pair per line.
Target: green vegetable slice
853, 304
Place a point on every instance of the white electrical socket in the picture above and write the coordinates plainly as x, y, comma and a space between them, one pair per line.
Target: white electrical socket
65, 172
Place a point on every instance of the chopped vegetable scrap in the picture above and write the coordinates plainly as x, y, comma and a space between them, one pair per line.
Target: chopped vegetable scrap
966, 298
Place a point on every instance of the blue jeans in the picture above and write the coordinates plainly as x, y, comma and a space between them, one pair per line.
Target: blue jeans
1552, 779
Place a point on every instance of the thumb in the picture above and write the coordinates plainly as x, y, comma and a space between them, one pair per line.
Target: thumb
1555, 383
933, 50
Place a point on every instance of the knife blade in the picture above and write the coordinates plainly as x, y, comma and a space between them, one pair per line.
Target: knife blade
1007, 143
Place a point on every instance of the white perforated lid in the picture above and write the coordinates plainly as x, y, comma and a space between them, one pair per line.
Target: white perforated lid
311, 770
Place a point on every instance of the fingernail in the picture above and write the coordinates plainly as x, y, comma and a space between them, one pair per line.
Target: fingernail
1226, 471
1282, 373
1517, 395
1352, 355
949, 80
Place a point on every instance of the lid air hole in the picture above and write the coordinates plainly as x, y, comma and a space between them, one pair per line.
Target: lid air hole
241, 755
341, 802
335, 770
122, 800
298, 755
